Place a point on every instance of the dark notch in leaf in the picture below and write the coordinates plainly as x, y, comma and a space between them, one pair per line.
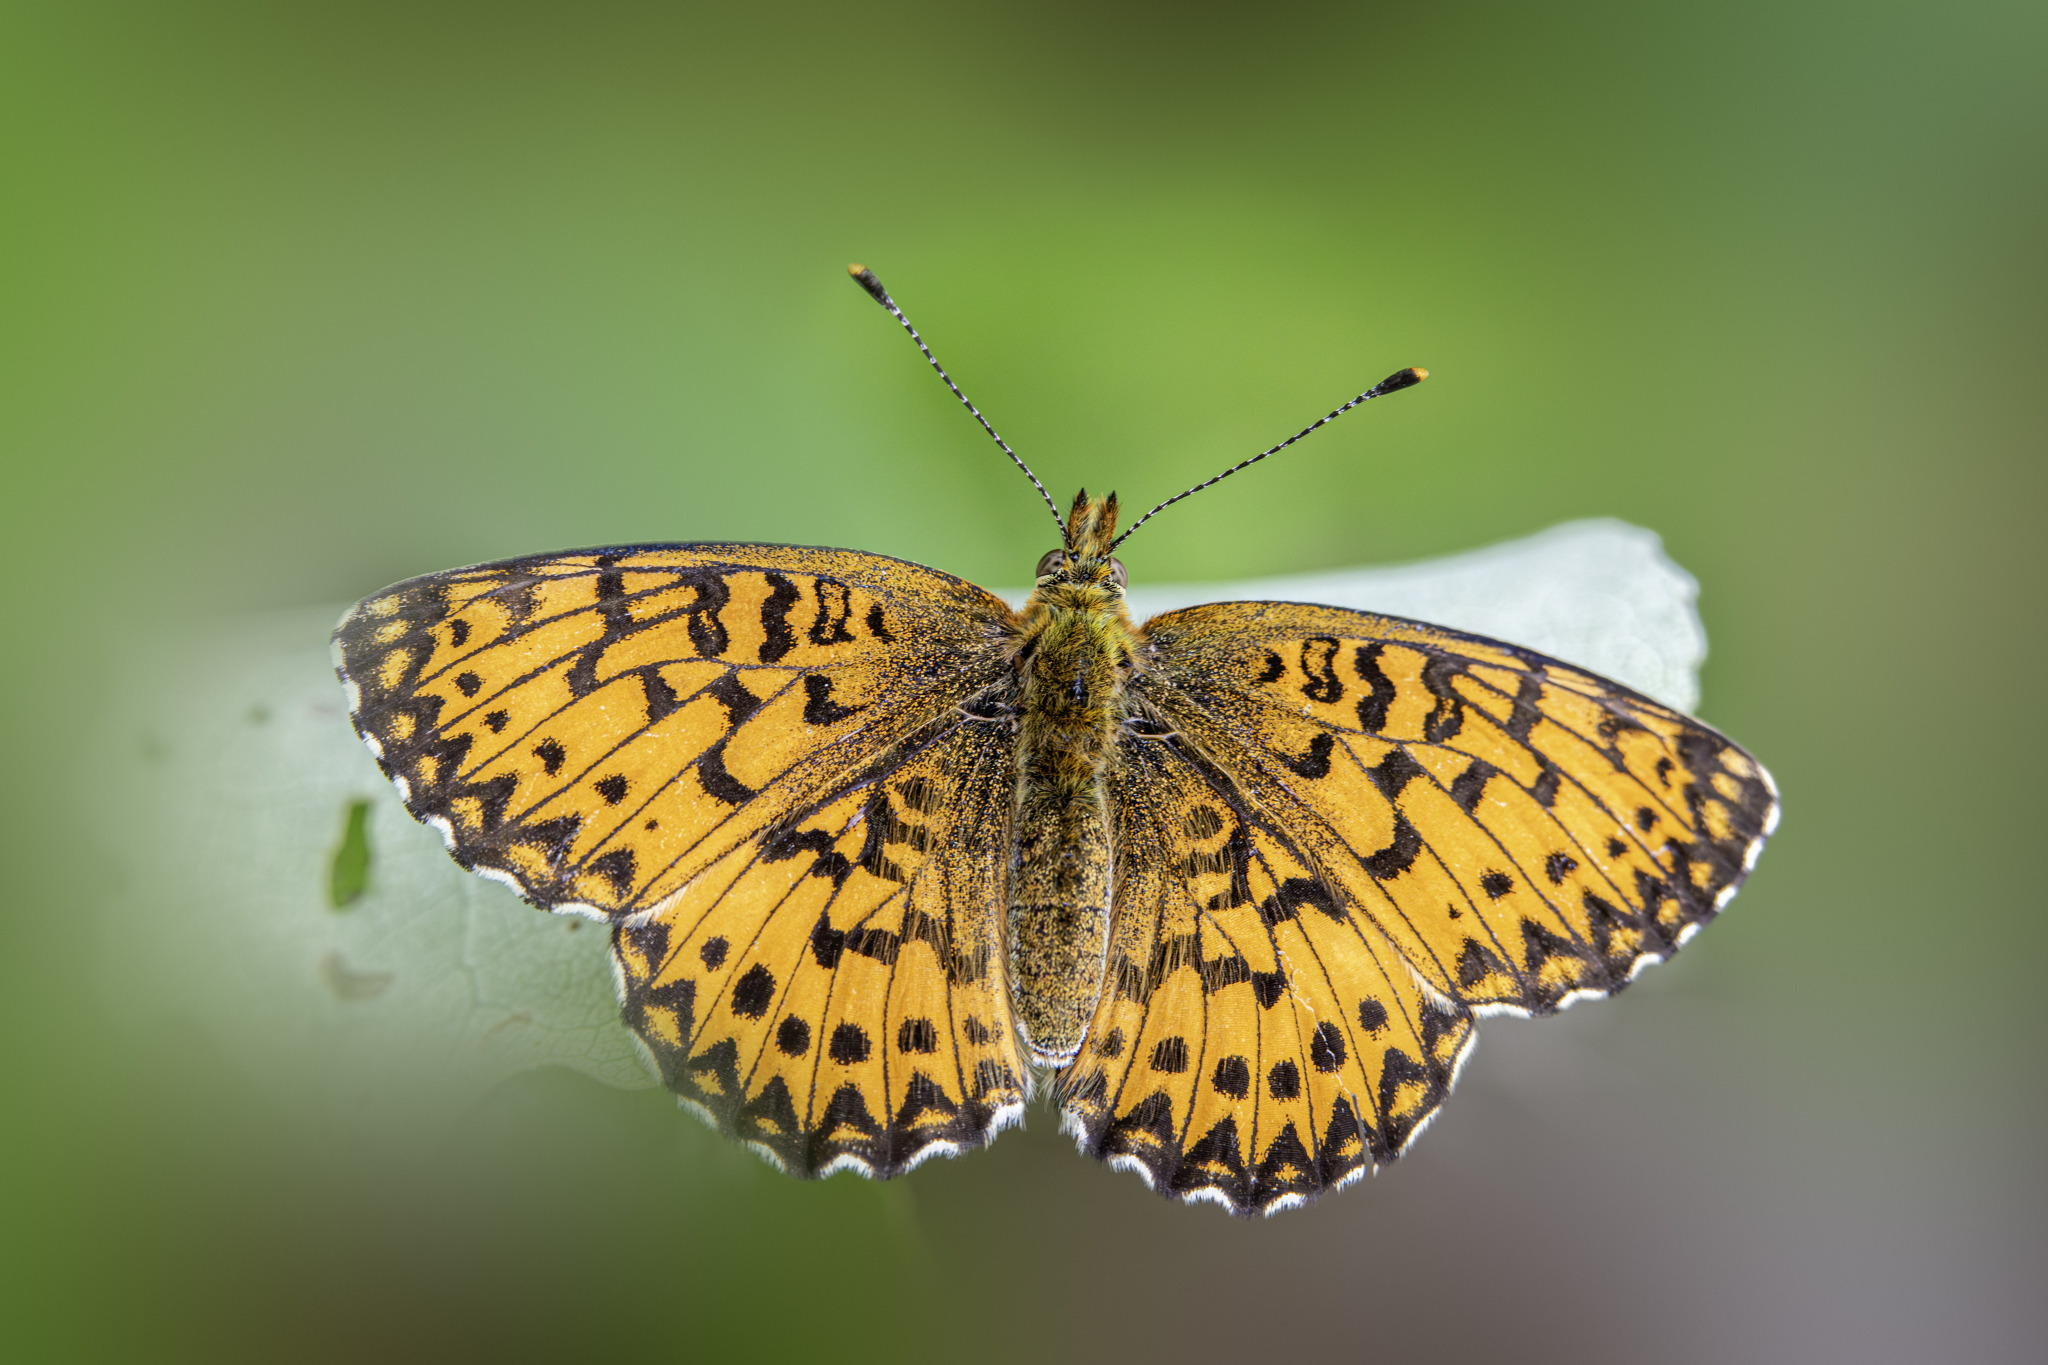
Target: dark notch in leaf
348, 876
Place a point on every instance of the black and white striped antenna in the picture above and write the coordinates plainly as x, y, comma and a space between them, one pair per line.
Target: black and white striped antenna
865, 278
1393, 383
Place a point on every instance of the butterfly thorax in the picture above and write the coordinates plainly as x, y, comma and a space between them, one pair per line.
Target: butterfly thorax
1074, 649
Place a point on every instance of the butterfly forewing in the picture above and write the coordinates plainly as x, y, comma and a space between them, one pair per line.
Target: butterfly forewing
598, 728
1520, 830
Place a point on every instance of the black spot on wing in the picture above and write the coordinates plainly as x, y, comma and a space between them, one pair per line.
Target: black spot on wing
1380, 691
1524, 711
835, 605
1315, 763
717, 781
708, 635
827, 943
917, 1036
1468, 786
1268, 987
1326, 1051
1213, 1163
729, 692
616, 866
819, 708
1323, 685
1476, 962
1394, 772
754, 992
1447, 718
1285, 1170
1400, 853
661, 698
849, 1045
777, 638
1170, 1055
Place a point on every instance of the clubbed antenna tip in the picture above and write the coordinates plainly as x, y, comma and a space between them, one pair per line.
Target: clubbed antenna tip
1393, 383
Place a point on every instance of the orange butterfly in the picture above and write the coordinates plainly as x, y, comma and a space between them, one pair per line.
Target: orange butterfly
877, 850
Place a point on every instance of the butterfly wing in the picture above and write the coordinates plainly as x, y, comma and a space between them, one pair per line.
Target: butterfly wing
1503, 831
1256, 1044
747, 758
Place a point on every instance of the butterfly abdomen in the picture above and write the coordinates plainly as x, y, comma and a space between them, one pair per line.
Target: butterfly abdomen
1073, 654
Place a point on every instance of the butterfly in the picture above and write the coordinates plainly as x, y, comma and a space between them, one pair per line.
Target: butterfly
880, 855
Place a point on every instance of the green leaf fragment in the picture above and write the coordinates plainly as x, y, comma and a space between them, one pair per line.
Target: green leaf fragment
348, 875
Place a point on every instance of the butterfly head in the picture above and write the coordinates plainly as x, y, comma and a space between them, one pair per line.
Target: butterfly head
1085, 560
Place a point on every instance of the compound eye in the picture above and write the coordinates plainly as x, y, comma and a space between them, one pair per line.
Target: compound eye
1052, 560
1116, 571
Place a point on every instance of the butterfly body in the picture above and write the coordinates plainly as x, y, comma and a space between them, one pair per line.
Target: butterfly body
1075, 647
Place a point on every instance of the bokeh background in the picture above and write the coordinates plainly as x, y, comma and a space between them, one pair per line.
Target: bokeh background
299, 300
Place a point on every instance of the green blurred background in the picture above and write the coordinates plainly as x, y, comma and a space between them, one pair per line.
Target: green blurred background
299, 300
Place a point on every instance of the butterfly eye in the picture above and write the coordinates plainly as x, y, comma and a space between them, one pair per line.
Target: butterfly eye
1116, 571
1052, 560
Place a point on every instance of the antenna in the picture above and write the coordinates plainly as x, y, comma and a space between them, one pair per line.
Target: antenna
1393, 383
865, 278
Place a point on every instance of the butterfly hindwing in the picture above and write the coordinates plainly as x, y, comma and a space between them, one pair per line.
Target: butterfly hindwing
835, 996
1522, 831
1255, 1045
597, 728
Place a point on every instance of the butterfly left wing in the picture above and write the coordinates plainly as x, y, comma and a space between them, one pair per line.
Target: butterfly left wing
753, 761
